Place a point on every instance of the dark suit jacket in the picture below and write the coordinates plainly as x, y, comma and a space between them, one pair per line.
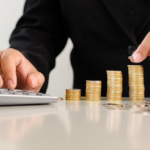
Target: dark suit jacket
101, 31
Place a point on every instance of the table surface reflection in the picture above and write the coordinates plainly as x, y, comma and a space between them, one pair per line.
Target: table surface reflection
73, 125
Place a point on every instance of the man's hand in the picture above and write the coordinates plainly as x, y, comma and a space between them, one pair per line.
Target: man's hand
18, 72
142, 51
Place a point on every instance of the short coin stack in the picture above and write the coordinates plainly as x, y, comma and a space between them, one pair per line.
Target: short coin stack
136, 82
93, 90
73, 94
114, 85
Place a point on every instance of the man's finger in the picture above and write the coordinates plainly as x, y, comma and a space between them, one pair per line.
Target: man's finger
9, 61
143, 50
1, 82
35, 80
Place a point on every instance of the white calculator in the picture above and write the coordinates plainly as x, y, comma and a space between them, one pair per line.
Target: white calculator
23, 97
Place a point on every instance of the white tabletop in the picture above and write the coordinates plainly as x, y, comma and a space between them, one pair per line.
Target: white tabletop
72, 126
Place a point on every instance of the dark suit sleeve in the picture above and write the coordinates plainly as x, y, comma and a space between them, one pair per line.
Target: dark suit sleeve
40, 34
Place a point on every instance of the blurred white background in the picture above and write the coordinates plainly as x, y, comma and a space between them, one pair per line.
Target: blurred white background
61, 77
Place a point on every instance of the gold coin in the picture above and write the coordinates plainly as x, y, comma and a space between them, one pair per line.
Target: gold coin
73, 99
130, 96
94, 87
114, 86
136, 84
119, 97
135, 66
114, 81
114, 89
96, 96
135, 95
136, 92
136, 98
93, 99
70, 91
93, 95
136, 81
93, 81
73, 95
137, 87
88, 95
114, 77
114, 96
136, 78
134, 73
113, 92
93, 91
114, 72
135, 69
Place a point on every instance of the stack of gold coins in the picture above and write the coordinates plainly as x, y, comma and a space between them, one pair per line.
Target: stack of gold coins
93, 90
136, 82
114, 85
73, 94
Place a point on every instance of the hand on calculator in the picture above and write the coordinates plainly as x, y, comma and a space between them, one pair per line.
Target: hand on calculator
18, 72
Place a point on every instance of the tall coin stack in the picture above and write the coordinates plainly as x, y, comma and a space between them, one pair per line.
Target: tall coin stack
114, 85
136, 82
93, 90
73, 94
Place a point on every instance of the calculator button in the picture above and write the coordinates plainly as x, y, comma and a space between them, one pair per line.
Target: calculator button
17, 90
3, 92
11, 92
45, 95
18, 93
25, 93
39, 94
32, 94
